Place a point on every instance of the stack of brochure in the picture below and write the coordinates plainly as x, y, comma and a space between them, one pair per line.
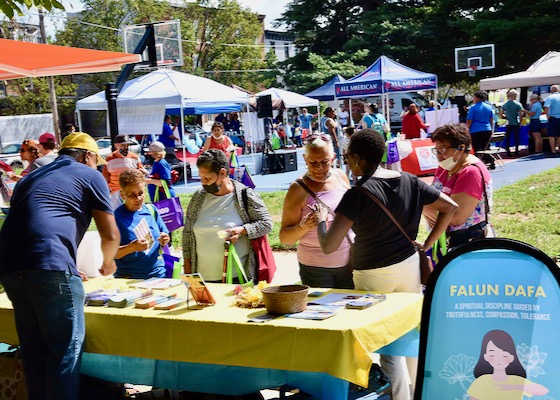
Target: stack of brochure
99, 297
158, 283
153, 300
127, 298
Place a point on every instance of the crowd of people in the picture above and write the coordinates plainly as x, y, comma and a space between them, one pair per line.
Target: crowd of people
346, 234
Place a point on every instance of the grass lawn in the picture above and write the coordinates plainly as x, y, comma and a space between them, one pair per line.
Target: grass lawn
527, 211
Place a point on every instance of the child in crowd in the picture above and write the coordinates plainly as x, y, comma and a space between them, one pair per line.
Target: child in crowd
143, 232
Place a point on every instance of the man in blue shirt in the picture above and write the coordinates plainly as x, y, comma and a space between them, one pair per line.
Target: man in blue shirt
512, 111
480, 120
168, 136
552, 110
305, 121
51, 209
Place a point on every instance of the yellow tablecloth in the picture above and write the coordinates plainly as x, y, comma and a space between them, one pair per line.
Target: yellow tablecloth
222, 335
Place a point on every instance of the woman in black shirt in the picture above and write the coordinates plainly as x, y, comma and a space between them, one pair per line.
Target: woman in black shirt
383, 259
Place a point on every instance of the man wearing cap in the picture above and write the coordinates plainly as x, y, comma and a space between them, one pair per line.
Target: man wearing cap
38, 244
512, 110
119, 160
47, 144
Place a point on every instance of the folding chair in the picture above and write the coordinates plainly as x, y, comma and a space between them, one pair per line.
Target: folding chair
492, 150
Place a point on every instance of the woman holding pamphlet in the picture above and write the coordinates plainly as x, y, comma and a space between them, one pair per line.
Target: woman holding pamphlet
321, 184
222, 209
142, 230
383, 258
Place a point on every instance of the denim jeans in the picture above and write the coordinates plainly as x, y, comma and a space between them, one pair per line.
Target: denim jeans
49, 314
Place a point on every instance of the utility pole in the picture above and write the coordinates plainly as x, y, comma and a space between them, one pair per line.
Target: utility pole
50, 81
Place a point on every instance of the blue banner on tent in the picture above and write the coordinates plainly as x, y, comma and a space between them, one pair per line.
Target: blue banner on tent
490, 323
406, 85
355, 89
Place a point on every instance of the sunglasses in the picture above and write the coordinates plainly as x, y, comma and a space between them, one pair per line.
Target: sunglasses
314, 136
443, 149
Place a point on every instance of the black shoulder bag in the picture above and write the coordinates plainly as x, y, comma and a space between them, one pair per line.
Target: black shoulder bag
426, 266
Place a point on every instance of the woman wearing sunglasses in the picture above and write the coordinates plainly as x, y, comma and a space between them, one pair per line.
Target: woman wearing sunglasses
321, 184
460, 175
29, 151
383, 258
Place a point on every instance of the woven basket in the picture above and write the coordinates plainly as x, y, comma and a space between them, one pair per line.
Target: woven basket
286, 299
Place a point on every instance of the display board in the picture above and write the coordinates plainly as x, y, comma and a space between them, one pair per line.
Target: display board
489, 325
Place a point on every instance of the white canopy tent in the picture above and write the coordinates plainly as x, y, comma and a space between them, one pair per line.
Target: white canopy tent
143, 101
283, 99
545, 71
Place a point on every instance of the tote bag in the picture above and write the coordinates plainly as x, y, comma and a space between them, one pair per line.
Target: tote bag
169, 209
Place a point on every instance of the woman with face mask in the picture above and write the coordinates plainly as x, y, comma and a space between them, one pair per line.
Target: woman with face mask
460, 175
218, 140
218, 206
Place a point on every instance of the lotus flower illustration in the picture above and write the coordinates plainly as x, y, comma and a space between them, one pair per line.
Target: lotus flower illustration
532, 359
458, 368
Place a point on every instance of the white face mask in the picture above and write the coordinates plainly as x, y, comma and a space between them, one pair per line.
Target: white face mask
449, 163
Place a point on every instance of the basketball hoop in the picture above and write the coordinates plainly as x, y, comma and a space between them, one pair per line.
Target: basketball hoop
472, 70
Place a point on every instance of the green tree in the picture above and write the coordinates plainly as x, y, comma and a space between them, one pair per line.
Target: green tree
217, 39
423, 34
31, 96
324, 68
12, 7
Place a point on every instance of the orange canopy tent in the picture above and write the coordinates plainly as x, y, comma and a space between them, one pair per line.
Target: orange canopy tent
25, 59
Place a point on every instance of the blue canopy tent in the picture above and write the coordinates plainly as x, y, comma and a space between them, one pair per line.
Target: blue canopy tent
383, 77
326, 92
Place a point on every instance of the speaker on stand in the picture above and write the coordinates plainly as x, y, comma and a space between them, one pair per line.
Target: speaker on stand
264, 111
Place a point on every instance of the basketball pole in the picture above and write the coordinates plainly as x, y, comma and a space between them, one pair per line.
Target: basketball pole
112, 89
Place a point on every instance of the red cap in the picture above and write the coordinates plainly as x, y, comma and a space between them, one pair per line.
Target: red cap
47, 138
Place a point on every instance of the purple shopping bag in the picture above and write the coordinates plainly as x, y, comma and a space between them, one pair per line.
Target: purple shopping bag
169, 209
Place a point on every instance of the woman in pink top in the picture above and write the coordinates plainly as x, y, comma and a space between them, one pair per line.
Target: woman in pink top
299, 224
218, 140
465, 179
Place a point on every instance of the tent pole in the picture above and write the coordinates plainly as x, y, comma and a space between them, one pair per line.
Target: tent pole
79, 115
181, 135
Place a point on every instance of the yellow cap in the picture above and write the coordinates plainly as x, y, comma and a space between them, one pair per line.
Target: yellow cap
81, 140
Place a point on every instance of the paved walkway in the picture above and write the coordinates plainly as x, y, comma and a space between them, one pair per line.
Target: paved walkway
515, 170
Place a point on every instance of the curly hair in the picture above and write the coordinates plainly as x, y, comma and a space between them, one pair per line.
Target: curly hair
32, 146
130, 177
369, 145
455, 134
213, 160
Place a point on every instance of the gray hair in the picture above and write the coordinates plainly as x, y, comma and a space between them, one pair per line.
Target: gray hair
319, 143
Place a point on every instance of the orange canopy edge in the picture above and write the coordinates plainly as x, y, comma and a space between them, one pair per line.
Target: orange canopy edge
24, 59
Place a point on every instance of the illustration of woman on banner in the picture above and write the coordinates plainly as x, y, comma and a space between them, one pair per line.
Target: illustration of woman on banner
499, 373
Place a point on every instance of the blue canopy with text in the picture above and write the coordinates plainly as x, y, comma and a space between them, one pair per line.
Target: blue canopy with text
385, 76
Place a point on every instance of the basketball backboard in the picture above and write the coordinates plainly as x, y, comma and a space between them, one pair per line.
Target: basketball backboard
481, 57
169, 50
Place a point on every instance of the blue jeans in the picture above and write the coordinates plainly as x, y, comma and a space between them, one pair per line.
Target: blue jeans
49, 314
